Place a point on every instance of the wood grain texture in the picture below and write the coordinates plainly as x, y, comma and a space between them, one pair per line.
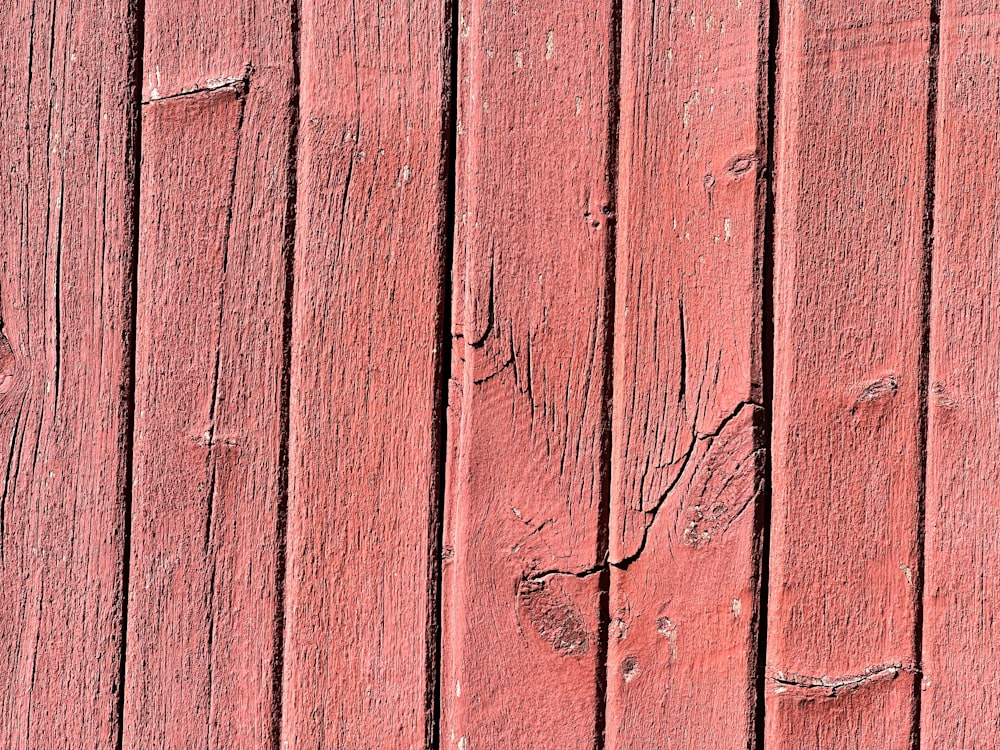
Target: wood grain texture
366, 357
522, 641
66, 248
848, 316
209, 360
960, 705
688, 450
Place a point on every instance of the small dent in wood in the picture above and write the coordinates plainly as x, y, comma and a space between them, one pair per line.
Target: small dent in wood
907, 572
209, 440
702, 523
630, 668
667, 629
618, 629
688, 105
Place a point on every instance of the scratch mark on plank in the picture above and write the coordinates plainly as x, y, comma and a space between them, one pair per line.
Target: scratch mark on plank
810, 688
241, 84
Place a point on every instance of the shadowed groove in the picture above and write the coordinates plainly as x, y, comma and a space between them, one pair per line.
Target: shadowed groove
607, 402
133, 148
446, 244
769, 46
288, 251
923, 386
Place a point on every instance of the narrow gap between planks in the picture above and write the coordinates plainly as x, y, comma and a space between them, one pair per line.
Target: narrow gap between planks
767, 123
923, 387
607, 404
134, 151
446, 243
288, 251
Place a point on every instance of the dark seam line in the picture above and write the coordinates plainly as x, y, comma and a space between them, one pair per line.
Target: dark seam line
769, 74
925, 351
134, 149
288, 250
57, 294
446, 241
608, 386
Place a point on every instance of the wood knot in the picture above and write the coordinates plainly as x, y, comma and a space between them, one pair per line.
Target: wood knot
942, 396
740, 165
726, 476
879, 390
553, 616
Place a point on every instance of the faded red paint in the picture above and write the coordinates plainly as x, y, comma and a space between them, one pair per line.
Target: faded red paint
256, 458
849, 281
688, 444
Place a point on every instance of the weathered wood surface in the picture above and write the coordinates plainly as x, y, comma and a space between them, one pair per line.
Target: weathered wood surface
203, 621
367, 350
960, 703
593, 177
849, 281
534, 214
67, 200
688, 457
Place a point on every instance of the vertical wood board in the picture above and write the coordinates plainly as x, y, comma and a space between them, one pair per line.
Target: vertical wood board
688, 451
67, 203
367, 352
203, 616
848, 316
534, 211
960, 705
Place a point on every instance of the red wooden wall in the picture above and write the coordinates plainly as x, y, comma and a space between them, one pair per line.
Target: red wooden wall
599, 374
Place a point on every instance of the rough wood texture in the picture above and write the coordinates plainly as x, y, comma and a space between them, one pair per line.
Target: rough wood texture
848, 315
600, 560
366, 357
960, 704
688, 453
533, 215
209, 359
66, 247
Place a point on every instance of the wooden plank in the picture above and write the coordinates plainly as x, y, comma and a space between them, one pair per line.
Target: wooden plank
688, 445
66, 249
522, 637
203, 605
848, 313
366, 359
960, 704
